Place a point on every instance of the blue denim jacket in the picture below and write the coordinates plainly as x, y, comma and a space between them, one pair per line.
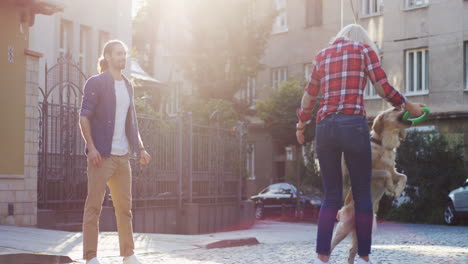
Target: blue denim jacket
99, 106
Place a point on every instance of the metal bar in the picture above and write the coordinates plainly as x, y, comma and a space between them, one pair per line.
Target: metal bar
190, 162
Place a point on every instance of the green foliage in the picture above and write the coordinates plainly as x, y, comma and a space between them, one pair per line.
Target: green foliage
279, 113
434, 164
208, 111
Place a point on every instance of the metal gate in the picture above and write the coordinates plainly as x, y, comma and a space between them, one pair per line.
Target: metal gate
62, 165
192, 163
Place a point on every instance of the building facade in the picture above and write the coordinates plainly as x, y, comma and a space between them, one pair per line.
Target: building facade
18, 113
422, 45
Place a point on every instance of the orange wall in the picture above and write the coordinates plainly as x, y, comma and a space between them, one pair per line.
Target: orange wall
12, 90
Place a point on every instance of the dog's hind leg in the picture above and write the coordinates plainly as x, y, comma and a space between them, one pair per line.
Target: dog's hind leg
400, 183
353, 248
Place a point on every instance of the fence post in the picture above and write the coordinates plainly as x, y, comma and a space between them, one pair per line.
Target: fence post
190, 153
241, 134
179, 171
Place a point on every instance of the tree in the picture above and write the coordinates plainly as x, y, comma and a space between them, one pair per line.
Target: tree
434, 164
227, 40
215, 44
278, 111
145, 25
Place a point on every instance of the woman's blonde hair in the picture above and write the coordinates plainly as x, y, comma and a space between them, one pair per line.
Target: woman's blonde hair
356, 32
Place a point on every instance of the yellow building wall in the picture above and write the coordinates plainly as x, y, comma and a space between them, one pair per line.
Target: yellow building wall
12, 90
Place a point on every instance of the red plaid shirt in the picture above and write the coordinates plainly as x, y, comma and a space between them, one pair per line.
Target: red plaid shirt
340, 73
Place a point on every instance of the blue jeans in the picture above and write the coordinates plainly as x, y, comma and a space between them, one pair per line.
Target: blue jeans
348, 134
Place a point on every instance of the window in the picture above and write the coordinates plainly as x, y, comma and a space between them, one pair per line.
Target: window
66, 37
313, 13
251, 161
466, 66
281, 22
416, 3
248, 94
370, 92
308, 72
84, 48
417, 71
103, 38
279, 75
371, 7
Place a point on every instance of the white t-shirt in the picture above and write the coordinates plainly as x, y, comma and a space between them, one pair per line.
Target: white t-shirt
122, 103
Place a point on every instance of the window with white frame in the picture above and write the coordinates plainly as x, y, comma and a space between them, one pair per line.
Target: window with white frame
417, 71
314, 12
372, 7
415, 3
281, 22
103, 38
370, 92
308, 72
279, 75
66, 37
248, 94
84, 48
250, 161
466, 65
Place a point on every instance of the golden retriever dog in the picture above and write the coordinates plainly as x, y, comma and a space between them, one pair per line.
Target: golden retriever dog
388, 130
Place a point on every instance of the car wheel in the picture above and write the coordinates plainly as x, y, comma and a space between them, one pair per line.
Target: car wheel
299, 213
259, 212
450, 217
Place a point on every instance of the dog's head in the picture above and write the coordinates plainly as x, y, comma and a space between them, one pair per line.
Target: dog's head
391, 120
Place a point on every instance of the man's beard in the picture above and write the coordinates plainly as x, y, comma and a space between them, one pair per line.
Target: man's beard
121, 64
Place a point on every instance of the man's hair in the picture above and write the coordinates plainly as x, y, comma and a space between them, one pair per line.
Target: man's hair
103, 65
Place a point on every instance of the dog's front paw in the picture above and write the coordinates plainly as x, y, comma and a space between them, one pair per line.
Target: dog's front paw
390, 193
399, 189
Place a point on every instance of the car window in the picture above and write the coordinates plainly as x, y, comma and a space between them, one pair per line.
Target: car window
279, 189
285, 189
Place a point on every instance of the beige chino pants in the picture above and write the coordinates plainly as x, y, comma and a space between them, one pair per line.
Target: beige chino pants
115, 172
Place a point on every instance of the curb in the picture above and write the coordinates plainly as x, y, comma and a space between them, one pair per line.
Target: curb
24, 258
250, 241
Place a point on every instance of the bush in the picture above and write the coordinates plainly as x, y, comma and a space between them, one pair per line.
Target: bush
434, 163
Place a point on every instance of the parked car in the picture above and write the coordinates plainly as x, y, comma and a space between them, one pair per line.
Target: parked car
286, 200
457, 206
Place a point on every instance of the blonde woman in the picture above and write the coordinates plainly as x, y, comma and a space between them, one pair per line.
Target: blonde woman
340, 74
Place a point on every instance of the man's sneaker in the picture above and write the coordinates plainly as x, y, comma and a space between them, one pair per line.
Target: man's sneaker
362, 261
131, 260
93, 261
318, 261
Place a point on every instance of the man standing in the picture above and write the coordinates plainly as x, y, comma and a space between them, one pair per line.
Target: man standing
109, 127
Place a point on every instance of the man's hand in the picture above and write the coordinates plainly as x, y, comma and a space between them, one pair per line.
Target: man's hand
94, 157
145, 157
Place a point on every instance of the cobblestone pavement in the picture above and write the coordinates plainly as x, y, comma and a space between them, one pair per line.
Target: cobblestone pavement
393, 243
